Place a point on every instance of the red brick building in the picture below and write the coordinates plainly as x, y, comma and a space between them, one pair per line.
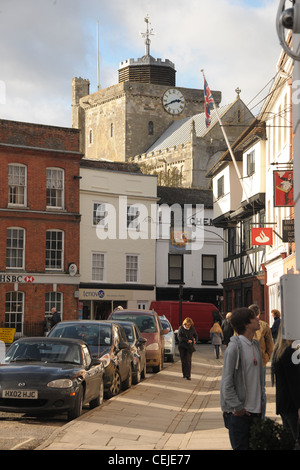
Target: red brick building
39, 224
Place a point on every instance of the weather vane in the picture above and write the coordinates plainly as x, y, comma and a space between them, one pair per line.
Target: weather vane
147, 35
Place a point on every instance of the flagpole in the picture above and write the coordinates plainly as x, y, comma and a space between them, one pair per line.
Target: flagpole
228, 145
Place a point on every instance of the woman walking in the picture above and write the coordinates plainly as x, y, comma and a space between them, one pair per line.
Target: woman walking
187, 337
216, 336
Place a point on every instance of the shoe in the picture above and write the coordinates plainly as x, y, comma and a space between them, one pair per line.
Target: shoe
188, 378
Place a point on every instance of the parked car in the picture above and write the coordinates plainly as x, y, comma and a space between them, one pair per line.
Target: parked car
57, 375
107, 341
150, 327
138, 349
169, 350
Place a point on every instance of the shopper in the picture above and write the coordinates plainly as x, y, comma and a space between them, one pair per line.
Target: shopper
216, 336
241, 390
276, 323
187, 337
227, 329
286, 371
55, 317
264, 337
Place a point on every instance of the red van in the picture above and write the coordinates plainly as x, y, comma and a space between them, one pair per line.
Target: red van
202, 314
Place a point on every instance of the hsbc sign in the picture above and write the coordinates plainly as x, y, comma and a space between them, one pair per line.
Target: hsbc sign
14, 278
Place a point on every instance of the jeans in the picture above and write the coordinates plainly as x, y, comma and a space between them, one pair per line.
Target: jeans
239, 430
186, 361
290, 421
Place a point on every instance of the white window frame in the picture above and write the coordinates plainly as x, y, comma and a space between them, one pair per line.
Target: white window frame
133, 221
17, 182
98, 265
132, 272
99, 213
14, 310
17, 247
56, 268
56, 184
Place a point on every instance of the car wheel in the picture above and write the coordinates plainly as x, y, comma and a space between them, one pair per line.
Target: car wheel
99, 399
77, 410
137, 376
115, 387
159, 366
128, 382
143, 373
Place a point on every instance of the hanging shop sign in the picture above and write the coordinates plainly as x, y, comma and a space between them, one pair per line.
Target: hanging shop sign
288, 231
262, 235
283, 188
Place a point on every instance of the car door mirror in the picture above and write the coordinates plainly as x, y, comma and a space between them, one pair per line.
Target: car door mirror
165, 331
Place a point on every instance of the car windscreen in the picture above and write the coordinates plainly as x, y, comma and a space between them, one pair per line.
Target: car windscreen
46, 352
128, 329
146, 323
93, 335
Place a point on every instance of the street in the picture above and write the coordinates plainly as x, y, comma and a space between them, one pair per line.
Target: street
19, 431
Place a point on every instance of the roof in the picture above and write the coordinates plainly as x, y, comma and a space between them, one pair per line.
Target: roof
180, 131
171, 195
112, 166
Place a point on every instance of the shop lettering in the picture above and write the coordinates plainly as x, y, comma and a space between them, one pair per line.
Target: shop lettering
10, 278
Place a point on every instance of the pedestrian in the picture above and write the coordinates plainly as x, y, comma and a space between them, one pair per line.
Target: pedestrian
264, 337
227, 330
55, 317
241, 390
216, 336
187, 337
276, 323
286, 372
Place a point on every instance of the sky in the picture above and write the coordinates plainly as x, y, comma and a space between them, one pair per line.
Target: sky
45, 43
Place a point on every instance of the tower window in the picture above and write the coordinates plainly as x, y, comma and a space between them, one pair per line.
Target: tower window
150, 128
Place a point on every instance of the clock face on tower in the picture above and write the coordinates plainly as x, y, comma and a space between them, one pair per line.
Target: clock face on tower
173, 101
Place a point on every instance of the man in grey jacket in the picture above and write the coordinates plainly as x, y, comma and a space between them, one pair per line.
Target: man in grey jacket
242, 379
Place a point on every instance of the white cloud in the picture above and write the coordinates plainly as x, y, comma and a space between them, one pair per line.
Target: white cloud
45, 43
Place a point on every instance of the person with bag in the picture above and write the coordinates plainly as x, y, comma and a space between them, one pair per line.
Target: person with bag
187, 337
285, 369
216, 336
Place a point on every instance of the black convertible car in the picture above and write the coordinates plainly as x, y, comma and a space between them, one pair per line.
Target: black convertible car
40, 375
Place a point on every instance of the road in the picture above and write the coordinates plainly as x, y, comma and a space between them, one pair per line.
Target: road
22, 432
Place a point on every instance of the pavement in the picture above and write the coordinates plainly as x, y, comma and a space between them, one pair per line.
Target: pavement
164, 412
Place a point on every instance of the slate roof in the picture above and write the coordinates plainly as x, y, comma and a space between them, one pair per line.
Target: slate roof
180, 131
171, 195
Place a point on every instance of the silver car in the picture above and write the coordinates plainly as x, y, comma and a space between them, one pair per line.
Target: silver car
169, 351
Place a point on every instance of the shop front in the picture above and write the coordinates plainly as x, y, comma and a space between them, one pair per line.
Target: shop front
98, 303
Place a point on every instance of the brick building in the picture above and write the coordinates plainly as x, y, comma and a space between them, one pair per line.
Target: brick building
39, 224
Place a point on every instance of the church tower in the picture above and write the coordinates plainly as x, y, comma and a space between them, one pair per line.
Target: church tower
124, 120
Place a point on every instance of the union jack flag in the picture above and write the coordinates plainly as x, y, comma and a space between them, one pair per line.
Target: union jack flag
208, 103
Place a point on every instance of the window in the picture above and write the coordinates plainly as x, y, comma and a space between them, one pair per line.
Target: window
132, 268
90, 137
99, 213
247, 242
232, 241
17, 184
55, 187
150, 128
53, 300
175, 269
220, 183
250, 163
15, 248
209, 269
14, 310
54, 249
133, 218
111, 130
98, 264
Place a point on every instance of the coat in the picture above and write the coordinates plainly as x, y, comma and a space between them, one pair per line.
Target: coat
184, 335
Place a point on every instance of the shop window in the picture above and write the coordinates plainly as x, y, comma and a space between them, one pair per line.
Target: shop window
14, 310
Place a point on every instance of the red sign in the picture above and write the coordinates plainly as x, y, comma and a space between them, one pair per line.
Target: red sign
262, 236
283, 188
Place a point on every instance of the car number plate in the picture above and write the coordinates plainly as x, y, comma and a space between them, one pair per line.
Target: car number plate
29, 394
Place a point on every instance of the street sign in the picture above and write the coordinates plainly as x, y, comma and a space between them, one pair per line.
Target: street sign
262, 236
288, 231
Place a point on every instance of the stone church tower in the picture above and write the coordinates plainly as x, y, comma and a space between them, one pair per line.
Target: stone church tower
124, 120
